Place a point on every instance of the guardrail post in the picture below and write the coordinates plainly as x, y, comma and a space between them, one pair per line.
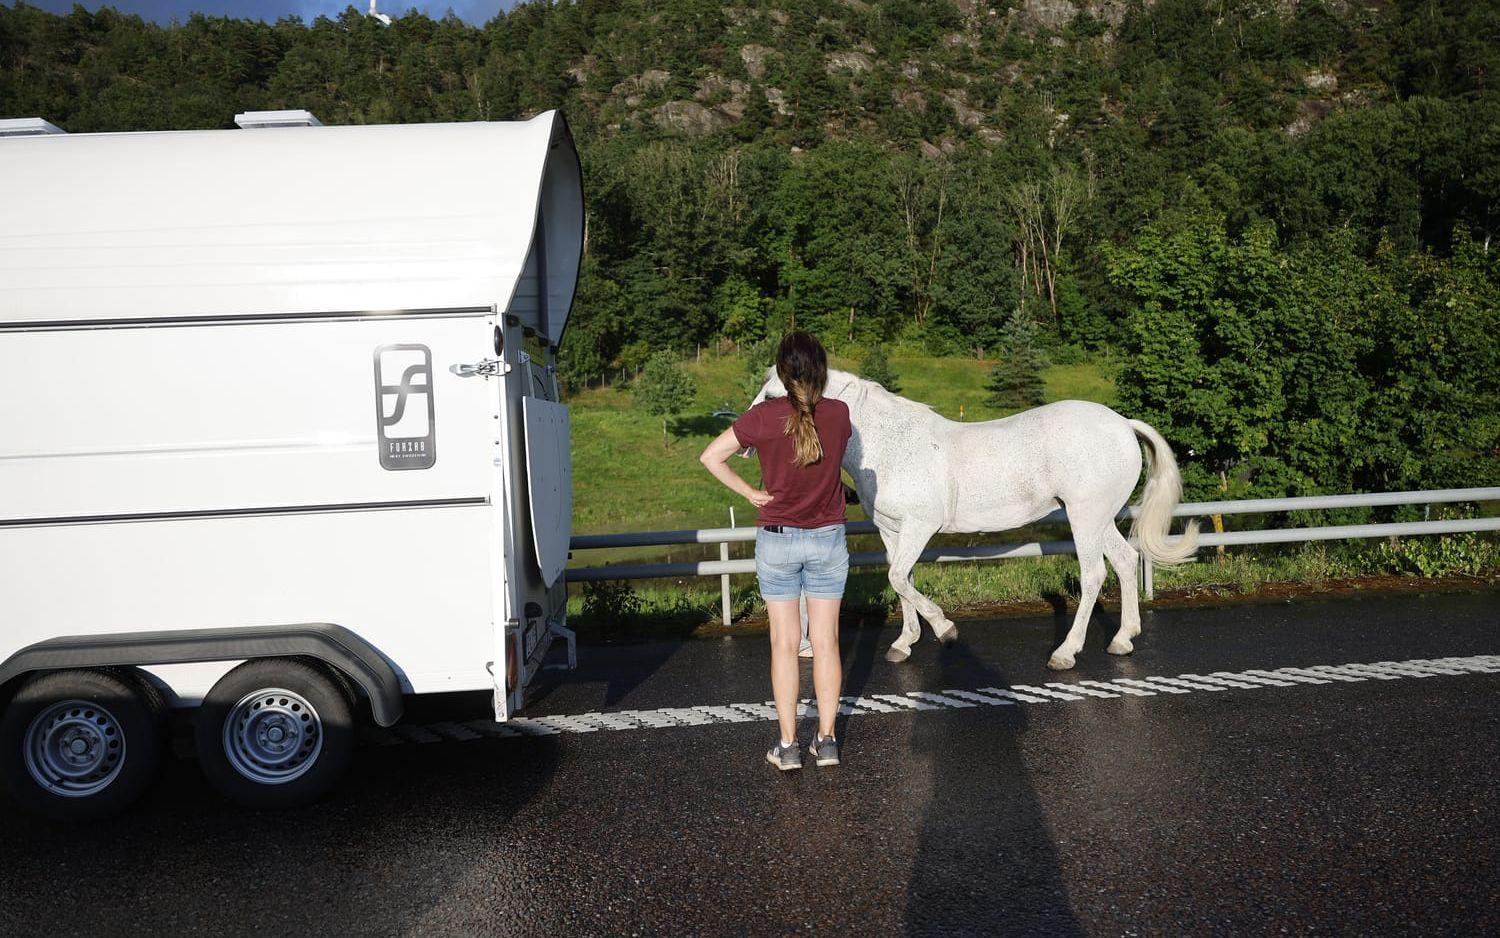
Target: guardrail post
724, 587
724, 602
1148, 578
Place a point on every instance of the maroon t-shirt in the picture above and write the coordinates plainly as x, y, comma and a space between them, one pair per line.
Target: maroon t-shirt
804, 496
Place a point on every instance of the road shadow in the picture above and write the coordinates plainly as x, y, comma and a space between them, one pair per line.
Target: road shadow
372, 856
619, 673
985, 860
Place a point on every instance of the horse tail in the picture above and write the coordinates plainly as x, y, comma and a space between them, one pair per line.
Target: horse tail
1163, 492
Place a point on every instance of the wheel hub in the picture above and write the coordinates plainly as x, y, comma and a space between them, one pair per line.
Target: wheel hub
74, 748
272, 736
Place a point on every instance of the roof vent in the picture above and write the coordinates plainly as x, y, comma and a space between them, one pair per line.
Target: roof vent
28, 127
254, 119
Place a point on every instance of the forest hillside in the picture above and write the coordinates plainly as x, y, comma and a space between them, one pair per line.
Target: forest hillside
1276, 215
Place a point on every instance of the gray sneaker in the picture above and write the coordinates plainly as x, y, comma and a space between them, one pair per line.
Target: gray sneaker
825, 749
785, 757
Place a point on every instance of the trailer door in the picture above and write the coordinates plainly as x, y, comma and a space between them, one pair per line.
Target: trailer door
533, 507
549, 475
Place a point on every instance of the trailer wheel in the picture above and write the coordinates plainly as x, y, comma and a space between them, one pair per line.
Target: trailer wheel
81, 745
275, 733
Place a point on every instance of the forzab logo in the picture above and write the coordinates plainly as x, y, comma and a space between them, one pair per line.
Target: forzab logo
403, 406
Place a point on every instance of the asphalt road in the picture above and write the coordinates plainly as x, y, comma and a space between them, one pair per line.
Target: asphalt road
1300, 801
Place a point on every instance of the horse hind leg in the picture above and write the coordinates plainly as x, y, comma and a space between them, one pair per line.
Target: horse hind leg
1091, 573
1125, 559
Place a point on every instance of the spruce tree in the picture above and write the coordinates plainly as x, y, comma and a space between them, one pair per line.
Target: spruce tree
1016, 377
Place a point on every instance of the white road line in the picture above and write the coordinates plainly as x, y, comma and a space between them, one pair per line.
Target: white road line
1227, 682
1079, 688
866, 705
906, 702
1121, 688
532, 727
1417, 666
610, 721
872, 705
652, 718
566, 724
1052, 694
1189, 685
1161, 688
1325, 675
1254, 678
940, 699
1386, 674
1007, 692
1286, 674
758, 710
1484, 664
687, 716
727, 714
980, 698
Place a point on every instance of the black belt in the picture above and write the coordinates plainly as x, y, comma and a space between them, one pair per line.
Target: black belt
779, 528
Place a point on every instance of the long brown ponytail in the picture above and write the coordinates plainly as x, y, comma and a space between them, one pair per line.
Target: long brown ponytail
802, 366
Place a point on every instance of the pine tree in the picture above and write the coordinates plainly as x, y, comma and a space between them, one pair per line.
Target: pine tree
876, 367
1016, 377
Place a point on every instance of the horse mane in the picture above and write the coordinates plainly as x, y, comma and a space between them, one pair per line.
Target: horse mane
869, 388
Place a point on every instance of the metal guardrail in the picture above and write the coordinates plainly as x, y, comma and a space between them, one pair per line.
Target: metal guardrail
725, 536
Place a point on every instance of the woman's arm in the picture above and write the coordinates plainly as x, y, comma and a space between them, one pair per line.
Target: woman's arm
716, 460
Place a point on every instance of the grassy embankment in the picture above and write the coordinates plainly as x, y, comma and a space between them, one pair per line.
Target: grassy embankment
625, 480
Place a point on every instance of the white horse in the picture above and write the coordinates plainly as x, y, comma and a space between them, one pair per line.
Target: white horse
918, 473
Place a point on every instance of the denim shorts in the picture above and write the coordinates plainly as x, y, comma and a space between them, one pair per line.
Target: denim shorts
814, 561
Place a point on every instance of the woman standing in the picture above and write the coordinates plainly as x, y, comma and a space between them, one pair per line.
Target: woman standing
799, 536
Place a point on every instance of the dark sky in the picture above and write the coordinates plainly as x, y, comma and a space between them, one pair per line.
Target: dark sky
162, 11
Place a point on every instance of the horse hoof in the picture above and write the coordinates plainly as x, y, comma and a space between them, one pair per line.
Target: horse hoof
1059, 663
1120, 647
896, 655
950, 637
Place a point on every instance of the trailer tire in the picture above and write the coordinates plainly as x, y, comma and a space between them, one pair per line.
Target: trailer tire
275, 733
81, 745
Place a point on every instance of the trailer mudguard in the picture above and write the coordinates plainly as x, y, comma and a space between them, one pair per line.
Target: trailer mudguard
334, 645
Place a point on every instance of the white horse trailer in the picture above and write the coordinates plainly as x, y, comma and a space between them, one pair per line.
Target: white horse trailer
280, 440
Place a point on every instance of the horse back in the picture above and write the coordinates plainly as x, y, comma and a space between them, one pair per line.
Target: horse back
1014, 470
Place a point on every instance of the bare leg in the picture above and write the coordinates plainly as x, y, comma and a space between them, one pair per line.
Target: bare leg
1091, 573
1124, 559
786, 635
828, 673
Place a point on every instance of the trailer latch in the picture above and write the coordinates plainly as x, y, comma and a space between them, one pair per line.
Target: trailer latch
488, 367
